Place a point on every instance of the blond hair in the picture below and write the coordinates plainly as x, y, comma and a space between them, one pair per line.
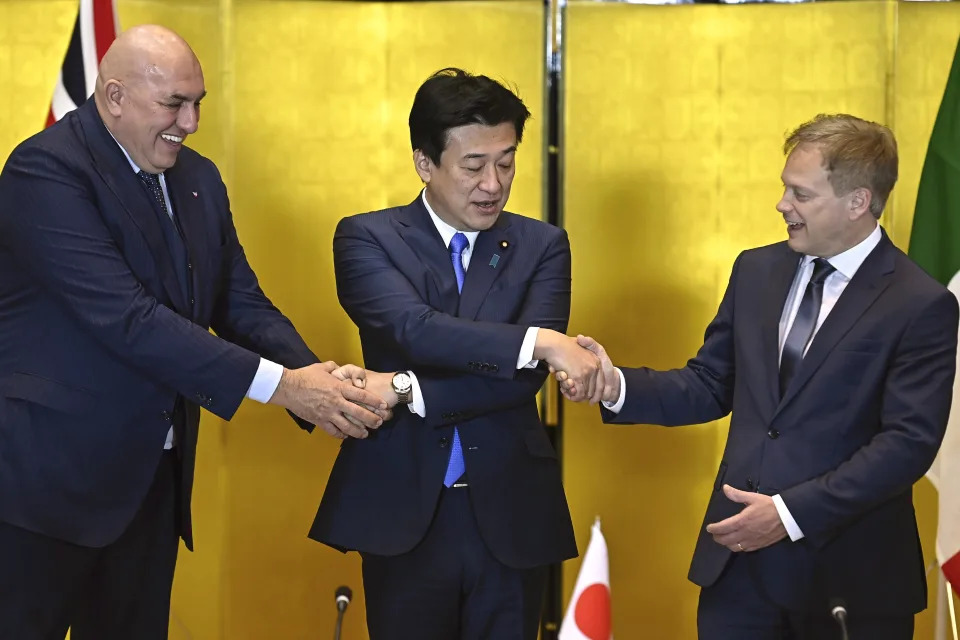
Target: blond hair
856, 154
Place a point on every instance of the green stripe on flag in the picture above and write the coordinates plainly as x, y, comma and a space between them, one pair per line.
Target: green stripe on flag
935, 238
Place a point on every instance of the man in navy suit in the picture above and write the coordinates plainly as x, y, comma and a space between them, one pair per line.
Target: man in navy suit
835, 355
117, 252
455, 505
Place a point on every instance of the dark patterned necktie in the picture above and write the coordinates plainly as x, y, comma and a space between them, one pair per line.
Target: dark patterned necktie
152, 182
171, 232
803, 325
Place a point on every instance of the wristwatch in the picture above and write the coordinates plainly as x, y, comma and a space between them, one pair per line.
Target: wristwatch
403, 387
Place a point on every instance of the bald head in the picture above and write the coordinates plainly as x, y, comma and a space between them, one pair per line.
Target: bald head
148, 94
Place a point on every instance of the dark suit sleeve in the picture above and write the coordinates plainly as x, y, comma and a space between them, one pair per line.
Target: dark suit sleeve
699, 392
915, 405
58, 236
546, 305
379, 299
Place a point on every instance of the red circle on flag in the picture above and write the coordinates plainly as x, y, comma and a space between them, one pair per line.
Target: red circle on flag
592, 613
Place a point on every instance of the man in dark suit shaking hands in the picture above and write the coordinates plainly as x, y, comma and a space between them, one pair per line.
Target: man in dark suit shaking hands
117, 252
456, 505
835, 355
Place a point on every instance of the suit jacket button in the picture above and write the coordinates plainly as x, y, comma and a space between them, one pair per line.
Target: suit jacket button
166, 416
773, 434
443, 443
495, 367
749, 484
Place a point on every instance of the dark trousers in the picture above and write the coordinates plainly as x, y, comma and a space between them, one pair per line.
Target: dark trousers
736, 608
118, 592
450, 587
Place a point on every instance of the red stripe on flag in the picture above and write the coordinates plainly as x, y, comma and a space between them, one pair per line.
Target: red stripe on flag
951, 571
103, 27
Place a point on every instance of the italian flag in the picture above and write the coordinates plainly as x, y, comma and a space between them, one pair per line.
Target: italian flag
935, 246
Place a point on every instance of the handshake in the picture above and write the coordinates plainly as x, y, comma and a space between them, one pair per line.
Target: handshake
348, 401
581, 366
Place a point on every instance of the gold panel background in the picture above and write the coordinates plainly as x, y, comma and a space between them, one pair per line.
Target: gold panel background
673, 126
675, 117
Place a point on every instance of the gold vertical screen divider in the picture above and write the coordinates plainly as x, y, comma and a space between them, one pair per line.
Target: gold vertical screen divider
674, 118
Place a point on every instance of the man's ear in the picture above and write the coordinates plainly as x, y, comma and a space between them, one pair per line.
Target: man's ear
860, 199
113, 92
424, 166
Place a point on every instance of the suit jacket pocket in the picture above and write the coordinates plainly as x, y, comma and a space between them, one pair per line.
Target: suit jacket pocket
538, 443
48, 393
872, 347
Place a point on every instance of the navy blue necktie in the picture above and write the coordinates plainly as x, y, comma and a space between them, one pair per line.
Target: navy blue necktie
456, 466
803, 325
178, 249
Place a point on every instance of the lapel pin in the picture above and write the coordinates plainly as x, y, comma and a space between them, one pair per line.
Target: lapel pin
504, 244
194, 193
494, 260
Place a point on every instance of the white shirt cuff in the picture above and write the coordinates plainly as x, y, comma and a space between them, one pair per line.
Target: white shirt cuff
614, 407
418, 406
266, 381
526, 361
793, 530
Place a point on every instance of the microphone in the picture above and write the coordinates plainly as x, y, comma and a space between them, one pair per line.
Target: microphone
838, 611
343, 596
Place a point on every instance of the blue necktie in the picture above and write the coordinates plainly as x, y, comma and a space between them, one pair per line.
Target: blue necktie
456, 466
803, 325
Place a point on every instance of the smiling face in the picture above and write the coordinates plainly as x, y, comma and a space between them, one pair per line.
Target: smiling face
819, 222
156, 115
148, 94
470, 186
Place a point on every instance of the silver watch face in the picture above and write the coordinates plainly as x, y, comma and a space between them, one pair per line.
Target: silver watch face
401, 382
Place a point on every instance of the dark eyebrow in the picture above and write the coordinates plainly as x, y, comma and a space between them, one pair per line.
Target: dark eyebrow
471, 156
181, 98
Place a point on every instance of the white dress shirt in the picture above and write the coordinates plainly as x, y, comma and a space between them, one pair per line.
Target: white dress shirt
267, 378
524, 360
846, 265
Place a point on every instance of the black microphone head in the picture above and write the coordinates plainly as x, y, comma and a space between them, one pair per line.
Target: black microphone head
838, 606
343, 596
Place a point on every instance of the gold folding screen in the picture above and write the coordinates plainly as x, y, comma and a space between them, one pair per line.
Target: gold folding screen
673, 124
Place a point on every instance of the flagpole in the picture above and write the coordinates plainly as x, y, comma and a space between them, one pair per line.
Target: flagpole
948, 589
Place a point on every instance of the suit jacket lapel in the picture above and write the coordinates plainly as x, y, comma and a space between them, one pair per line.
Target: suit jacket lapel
867, 284
188, 210
779, 279
119, 177
489, 258
421, 235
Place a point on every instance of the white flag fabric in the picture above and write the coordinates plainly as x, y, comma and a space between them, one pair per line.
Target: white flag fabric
945, 476
588, 614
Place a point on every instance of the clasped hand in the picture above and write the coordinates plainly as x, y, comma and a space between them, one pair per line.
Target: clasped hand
604, 386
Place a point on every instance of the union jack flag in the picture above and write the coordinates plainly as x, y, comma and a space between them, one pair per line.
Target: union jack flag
94, 30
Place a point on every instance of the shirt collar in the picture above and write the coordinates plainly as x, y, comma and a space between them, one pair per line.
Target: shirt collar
133, 165
446, 231
848, 262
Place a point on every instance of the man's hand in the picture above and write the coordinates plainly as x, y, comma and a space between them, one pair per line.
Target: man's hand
611, 379
337, 407
379, 384
584, 379
756, 527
